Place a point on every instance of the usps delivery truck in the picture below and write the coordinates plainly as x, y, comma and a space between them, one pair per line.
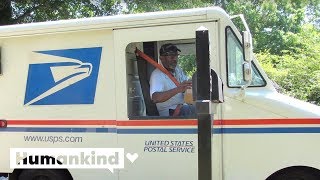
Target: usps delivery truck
80, 84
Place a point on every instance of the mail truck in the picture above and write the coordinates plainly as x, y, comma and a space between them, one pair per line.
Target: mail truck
80, 84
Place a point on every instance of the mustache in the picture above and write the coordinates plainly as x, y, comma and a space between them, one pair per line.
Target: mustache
172, 65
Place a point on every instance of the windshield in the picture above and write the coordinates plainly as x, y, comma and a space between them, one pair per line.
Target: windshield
235, 60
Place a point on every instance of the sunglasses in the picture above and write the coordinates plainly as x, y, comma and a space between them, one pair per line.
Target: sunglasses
171, 54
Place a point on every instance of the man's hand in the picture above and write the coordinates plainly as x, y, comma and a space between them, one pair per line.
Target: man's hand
184, 86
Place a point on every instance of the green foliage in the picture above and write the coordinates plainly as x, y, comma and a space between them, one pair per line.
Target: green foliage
288, 50
270, 20
297, 70
138, 6
47, 10
188, 64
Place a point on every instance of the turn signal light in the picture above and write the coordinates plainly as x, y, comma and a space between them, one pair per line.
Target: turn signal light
3, 123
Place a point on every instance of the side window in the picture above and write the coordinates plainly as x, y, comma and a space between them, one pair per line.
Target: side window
235, 60
139, 71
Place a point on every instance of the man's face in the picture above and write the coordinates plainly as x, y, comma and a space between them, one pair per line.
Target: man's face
169, 61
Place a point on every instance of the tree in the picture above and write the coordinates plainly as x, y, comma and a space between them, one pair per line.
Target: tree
285, 43
138, 6
273, 19
25, 11
298, 72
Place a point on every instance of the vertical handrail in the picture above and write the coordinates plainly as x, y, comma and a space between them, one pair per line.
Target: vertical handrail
203, 105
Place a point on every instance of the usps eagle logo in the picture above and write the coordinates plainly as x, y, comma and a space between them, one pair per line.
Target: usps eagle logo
67, 76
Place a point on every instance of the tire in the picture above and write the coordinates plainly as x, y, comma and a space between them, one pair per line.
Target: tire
44, 174
296, 174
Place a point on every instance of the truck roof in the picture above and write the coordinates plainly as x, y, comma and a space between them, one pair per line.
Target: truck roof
115, 22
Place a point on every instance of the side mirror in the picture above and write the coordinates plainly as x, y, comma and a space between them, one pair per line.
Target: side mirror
247, 71
216, 87
248, 56
247, 46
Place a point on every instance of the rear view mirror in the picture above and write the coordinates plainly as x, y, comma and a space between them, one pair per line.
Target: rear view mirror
248, 56
247, 71
247, 46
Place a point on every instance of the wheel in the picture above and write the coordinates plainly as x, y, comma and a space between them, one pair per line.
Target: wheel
44, 174
296, 174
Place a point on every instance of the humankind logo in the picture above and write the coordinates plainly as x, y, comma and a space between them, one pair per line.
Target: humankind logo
106, 158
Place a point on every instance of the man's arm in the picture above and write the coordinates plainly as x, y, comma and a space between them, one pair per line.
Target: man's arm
158, 97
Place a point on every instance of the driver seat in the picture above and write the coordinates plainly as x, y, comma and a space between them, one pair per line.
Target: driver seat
144, 71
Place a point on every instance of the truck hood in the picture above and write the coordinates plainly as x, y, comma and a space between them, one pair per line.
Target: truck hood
282, 105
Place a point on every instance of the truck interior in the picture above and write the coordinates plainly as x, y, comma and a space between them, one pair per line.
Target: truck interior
140, 105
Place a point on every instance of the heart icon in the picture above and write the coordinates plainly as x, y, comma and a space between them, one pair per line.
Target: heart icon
132, 157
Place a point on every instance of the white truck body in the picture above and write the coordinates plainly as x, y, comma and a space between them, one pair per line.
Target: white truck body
72, 80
